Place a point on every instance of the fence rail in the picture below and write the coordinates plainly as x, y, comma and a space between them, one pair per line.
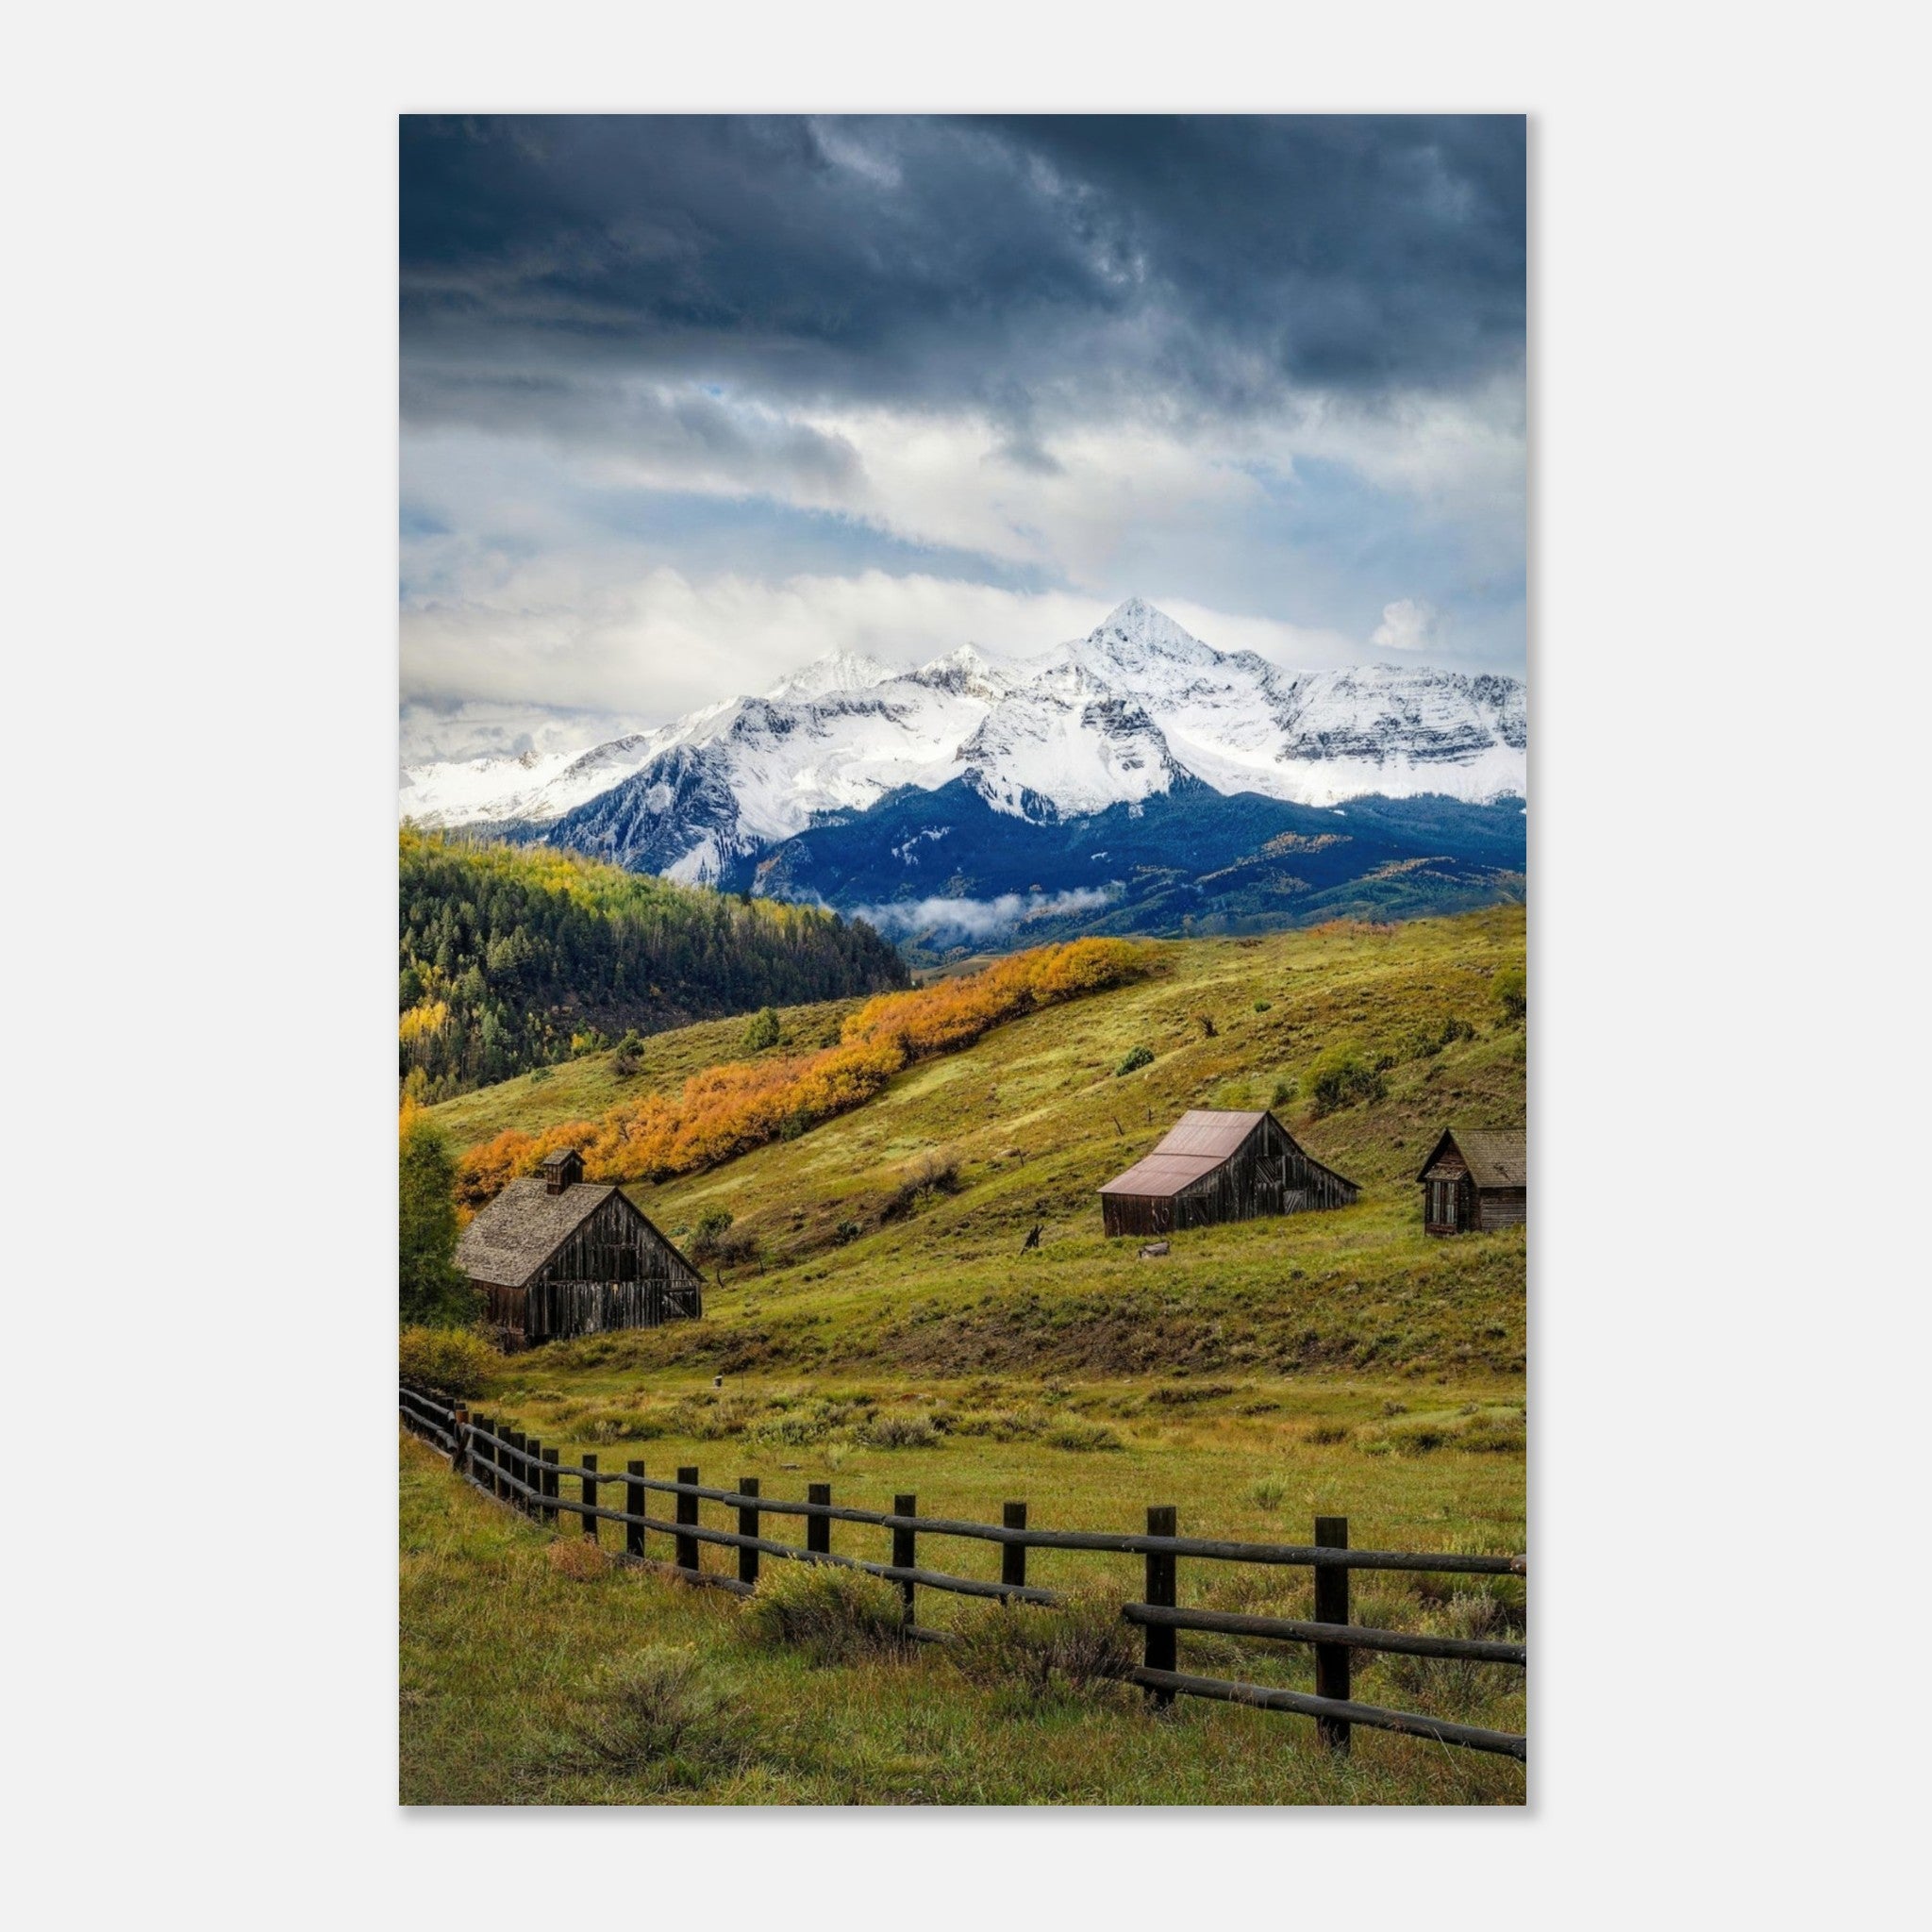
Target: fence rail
518, 1470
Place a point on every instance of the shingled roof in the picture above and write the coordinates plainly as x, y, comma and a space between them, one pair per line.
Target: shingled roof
522, 1228
1496, 1157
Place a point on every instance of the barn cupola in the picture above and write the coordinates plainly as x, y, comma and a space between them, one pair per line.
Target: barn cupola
561, 1170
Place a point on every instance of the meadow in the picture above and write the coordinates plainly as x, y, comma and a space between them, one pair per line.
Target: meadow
876, 1319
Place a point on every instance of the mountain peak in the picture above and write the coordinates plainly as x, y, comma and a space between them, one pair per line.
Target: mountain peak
1144, 623
836, 670
967, 670
1135, 632
967, 658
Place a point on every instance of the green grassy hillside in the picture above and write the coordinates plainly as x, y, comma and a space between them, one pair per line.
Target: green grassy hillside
853, 1267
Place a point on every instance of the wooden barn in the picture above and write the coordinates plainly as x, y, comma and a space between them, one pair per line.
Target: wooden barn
1220, 1166
556, 1256
1476, 1179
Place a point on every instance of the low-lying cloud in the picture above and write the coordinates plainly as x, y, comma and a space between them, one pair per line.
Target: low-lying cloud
980, 918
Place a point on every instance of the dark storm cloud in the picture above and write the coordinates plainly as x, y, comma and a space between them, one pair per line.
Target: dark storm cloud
1043, 270
594, 412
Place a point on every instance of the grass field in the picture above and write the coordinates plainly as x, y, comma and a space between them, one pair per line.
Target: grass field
509, 1654
891, 1338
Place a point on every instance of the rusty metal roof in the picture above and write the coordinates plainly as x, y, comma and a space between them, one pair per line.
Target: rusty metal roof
1162, 1173
1211, 1131
1195, 1146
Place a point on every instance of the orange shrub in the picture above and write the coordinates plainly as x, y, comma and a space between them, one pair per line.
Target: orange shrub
727, 1110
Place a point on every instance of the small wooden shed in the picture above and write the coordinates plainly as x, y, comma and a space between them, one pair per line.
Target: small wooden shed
1214, 1165
1475, 1178
556, 1256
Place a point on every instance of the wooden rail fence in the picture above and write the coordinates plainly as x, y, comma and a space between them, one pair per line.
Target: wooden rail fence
518, 1470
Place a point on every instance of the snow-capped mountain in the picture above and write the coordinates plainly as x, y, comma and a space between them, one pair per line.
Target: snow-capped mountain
1130, 710
836, 670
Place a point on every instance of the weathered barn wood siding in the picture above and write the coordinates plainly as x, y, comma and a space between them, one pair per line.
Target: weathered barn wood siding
560, 1309
615, 1272
616, 1243
1504, 1206
503, 1307
1460, 1196
1448, 1194
614, 1269
1267, 1174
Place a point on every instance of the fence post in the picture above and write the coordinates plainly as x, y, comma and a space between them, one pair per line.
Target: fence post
906, 1552
1161, 1649
458, 1457
533, 1474
1331, 1606
1013, 1556
634, 1505
688, 1512
520, 1472
483, 1454
747, 1525
546, 1481
590, 1483
817, 1529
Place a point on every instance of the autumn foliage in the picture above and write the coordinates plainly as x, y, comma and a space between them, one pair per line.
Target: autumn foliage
729, 1110
509, 956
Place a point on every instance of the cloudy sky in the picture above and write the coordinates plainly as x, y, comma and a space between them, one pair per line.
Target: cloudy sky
687, 402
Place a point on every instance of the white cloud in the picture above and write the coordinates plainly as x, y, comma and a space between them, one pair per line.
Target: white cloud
568, 576
1407, 624
587, 636
980, 918
1461, 452
1085, 503
1080, 508
434, 733
589, 632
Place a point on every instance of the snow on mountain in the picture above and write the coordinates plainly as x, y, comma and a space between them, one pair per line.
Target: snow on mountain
1067, 755
533, 789
1113, 716
835, 672
970, 672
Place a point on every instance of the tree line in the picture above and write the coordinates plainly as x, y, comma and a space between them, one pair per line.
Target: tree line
514, 958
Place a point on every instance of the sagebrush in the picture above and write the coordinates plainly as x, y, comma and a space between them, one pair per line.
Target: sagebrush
832, 1613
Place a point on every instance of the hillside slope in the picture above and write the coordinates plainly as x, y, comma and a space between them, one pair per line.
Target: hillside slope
863, 1264
508, 957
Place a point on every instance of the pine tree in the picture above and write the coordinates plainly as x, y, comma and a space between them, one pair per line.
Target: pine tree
431, 1293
